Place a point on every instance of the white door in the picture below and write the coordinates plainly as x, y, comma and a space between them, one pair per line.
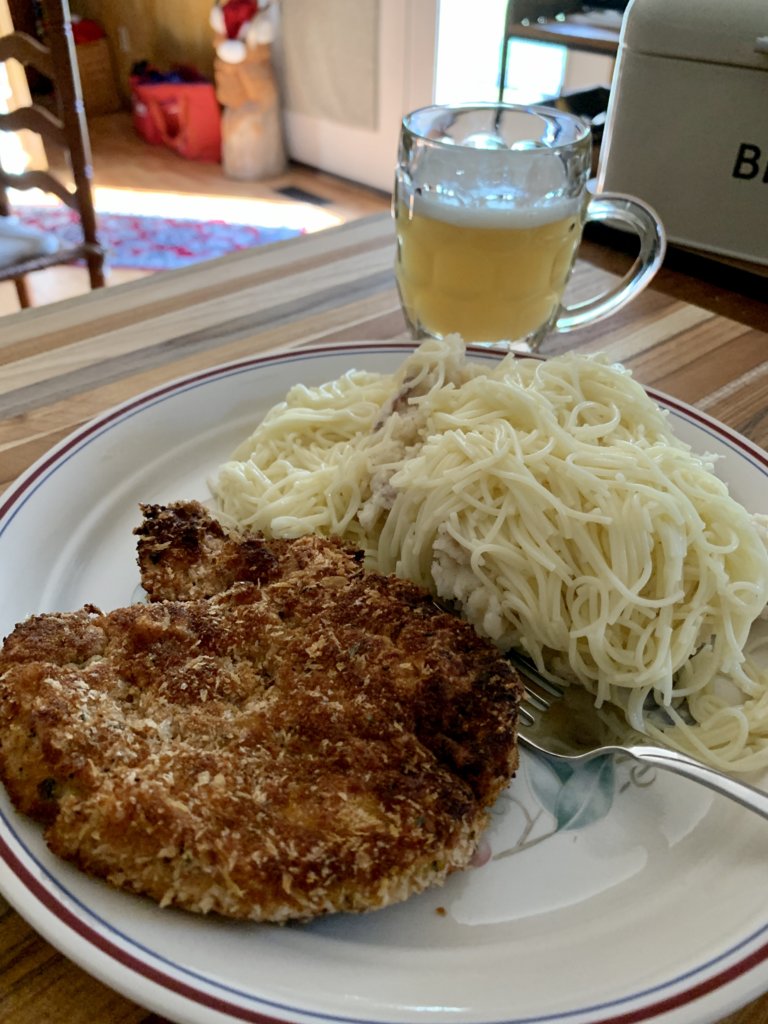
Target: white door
350, 70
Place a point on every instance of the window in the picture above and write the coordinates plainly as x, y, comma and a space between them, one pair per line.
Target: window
468, 62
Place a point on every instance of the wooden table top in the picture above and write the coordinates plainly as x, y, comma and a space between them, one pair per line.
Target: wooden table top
705, 342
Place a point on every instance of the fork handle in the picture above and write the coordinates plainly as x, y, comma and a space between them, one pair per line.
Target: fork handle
748, 796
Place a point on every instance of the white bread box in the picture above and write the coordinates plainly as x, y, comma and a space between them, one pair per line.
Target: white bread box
687, 121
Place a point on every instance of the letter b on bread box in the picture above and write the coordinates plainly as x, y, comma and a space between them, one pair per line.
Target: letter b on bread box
747, 164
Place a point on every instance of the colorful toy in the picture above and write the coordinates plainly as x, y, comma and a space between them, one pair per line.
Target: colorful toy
239, 26
246, 87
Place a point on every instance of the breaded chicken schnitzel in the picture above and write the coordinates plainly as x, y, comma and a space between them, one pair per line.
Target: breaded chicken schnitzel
185, 553
316, 739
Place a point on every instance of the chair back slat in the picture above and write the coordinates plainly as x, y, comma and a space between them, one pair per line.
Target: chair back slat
28, 51
35, 119
43, 181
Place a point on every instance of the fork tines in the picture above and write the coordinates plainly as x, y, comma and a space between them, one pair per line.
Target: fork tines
539, 691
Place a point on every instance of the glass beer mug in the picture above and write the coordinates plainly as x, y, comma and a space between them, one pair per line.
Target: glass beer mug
489, 203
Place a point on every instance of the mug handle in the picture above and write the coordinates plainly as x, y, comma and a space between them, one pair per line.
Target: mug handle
642, 220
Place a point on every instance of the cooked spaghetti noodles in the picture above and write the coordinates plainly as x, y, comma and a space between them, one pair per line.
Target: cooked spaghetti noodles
551, 503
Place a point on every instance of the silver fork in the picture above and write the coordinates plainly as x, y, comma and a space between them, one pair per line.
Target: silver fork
537, 732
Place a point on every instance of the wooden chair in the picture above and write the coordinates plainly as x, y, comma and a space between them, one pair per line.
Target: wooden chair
24, 250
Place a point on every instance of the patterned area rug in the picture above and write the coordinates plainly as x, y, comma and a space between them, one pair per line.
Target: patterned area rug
153, 243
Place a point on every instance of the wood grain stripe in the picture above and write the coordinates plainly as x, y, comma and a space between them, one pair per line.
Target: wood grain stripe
39, 383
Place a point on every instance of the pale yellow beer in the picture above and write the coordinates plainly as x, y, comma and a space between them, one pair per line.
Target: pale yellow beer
488, 274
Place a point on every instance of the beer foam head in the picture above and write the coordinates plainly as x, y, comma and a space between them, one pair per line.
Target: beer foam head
494, 211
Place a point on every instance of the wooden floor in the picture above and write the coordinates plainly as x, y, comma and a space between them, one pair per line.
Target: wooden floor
122, 160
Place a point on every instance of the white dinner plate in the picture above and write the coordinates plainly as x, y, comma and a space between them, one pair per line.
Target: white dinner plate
612, 895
